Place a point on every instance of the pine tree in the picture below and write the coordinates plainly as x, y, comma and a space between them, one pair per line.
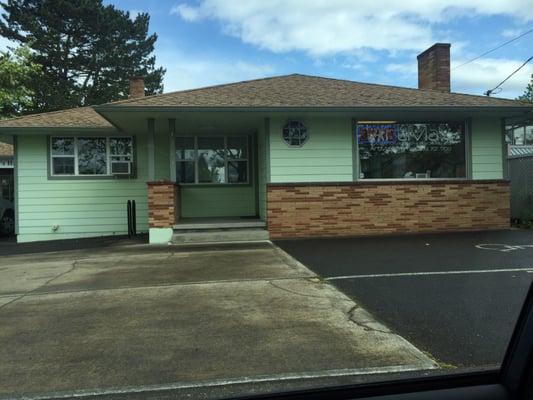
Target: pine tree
87, 50
528, 93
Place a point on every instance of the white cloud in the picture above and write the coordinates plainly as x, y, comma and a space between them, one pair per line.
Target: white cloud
186, 72
186, 12
403, 69
483, 74
478, 76
326, 27
511, 33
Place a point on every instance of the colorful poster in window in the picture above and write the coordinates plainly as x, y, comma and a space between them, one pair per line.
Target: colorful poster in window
377, 133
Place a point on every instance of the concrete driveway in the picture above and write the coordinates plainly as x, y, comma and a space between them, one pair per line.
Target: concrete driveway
143, 319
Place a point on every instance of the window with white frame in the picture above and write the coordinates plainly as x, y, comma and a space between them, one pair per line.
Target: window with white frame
520, 135
212, 159
91, 156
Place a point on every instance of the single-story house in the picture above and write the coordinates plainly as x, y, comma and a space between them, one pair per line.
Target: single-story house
295, 155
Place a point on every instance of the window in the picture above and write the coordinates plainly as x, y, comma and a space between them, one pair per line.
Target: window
295, 133
62, 152
212, 159
393, 150
91, 156
185, 159
121, 155
520, 135
529, 135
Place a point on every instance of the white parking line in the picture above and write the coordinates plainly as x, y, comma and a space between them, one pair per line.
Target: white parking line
475, 271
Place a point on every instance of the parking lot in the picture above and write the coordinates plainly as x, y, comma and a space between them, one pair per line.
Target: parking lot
456, 296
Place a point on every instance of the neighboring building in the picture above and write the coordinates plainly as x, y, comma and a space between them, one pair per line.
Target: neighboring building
309, 156
520, 169
520, 166
7, 187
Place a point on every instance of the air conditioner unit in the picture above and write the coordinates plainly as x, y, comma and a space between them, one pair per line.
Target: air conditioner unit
120, 167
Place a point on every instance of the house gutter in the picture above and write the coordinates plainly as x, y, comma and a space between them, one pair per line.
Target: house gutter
112, 109
30, 130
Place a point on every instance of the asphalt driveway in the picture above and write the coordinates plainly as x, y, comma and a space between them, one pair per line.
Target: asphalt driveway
456, 296
144, 319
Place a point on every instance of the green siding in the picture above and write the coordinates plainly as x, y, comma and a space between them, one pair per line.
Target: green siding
327, 155
487, 148
262, 171
162, 153
80, 207
224, 201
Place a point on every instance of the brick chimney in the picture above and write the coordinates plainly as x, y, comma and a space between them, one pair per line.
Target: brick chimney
434, 68
136, 87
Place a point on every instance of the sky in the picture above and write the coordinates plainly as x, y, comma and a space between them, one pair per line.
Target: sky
206, 42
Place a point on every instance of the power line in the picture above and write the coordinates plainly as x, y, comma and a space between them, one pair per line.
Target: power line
489, 92
494, 49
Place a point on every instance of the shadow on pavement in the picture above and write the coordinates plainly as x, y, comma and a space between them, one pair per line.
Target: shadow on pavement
9, 245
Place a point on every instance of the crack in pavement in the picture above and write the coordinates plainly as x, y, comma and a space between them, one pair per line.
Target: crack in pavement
352, 317
304, 294
156, 285
30, 292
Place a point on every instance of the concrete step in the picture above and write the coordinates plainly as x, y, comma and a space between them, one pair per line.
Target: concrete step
219, 236
208, 225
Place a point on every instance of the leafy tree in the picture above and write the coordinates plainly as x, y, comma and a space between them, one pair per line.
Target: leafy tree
16, 71
528, 93
87, 50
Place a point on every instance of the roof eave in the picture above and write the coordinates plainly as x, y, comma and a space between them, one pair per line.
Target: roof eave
17, 130
111, 109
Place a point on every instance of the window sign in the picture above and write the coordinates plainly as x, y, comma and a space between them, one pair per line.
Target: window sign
411, 150
377, 134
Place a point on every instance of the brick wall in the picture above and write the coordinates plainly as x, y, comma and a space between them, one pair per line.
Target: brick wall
163, 204
363, 208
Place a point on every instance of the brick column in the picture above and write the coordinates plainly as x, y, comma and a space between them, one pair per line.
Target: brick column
163, 204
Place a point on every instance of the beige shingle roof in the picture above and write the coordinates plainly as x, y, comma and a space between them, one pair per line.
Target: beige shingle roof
311, 91
281, 91
82, 117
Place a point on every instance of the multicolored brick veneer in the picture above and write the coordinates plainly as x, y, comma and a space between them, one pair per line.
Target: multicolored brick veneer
365, 208
163, 204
